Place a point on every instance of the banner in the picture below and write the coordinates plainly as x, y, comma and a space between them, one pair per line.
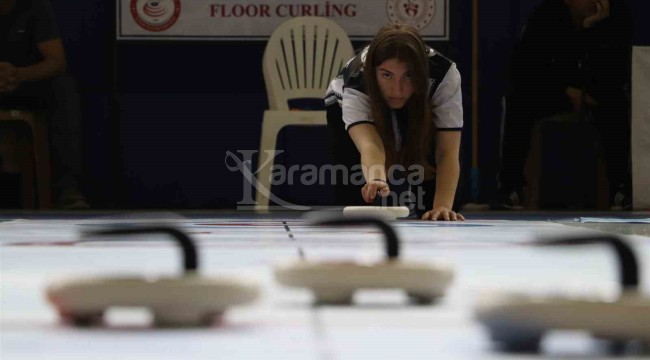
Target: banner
256, 20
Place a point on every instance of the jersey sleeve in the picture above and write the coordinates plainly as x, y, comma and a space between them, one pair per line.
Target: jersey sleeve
355, 107
447, 102
348, 90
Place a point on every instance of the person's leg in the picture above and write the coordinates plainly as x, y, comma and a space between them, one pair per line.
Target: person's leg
518, 126
613, 123
16, 137
65, 134
344, 156
517, 129
59, 99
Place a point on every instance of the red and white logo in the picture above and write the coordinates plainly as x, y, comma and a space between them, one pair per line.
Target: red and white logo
155, 15
417, 13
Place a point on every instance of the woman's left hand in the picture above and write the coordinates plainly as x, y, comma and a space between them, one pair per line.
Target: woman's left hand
442, 213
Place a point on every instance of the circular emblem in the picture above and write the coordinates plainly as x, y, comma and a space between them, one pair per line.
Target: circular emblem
155, 15
417, 13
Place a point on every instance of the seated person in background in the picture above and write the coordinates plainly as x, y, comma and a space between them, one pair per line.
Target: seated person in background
573, 56
32, 77
391, 105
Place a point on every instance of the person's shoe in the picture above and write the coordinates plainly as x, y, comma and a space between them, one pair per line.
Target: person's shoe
507, 200
621, 201
72, 199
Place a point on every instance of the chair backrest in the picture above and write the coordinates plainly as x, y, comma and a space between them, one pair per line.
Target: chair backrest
301, 57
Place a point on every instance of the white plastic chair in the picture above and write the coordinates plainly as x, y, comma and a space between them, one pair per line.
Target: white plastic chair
301, 57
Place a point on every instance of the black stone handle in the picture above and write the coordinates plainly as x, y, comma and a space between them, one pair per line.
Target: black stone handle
390, 236
627, 261
190, 257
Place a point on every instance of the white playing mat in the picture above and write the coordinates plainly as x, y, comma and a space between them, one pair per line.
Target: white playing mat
487, 254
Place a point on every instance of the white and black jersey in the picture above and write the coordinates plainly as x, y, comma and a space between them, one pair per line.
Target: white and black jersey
347, 90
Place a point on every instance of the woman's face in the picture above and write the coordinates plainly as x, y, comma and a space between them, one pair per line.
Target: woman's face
394, 79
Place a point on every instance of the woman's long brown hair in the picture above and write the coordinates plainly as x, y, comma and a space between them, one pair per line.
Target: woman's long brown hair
402, 42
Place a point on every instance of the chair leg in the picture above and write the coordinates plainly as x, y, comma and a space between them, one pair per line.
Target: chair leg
266, 160
272, 123
42, 160
27, 184
17, 157
533, 164
603, 185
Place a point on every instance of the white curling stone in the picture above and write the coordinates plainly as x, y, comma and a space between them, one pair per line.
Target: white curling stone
625, 318
383, 212
423, 280
177, 301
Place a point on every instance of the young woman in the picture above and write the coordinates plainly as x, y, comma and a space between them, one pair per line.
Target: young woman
397, 105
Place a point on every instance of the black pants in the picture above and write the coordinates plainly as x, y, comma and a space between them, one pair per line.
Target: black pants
347, 192
613, 124
58, 98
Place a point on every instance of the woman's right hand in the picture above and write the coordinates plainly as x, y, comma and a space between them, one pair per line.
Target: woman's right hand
370, 189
